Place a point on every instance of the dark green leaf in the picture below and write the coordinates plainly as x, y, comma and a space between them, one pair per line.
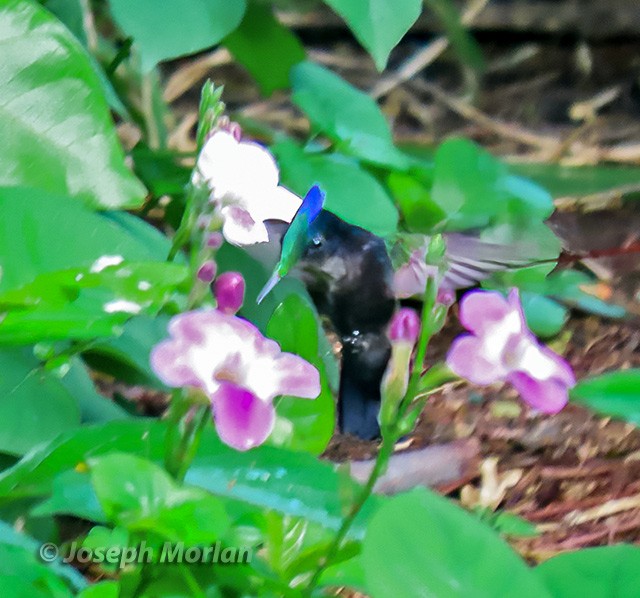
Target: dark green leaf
301, 424
348, 116
604, 572
58, 133
56, 232
545, 316
35, 406
139, 495
267, 49
420, 544
163, 30
352, 193
378, 24
10, 537
614, 393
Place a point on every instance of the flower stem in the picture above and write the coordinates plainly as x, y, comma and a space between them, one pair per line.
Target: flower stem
379, 467
185, 425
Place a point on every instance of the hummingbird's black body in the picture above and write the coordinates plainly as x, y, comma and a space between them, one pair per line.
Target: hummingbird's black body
349, 276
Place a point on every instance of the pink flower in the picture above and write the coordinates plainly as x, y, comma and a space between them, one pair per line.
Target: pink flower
405, 326
239, 369
229, 292
243, 178
501, 347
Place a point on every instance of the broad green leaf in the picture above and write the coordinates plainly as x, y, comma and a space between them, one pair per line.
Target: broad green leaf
420, 544
86, 304
576, 181
267, 49
614, 393
296, 484
348, 116
35, 406
72, 494
10, 537
511, 524
163, 30
58, 133
475, 189
139, 495
57, 232
301, 424
34, 475
93, 406
102, 589
352, 193
603, 572
378, 24
21, 575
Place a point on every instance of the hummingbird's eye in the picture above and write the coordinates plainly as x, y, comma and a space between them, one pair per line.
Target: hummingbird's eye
317, 240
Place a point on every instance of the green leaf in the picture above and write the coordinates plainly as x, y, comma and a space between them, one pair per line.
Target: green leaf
301, 424
34, 475
421, 214
22, 575
572, 181
58, 232
545, 316
352, 193
378, 24
603, 572
35, 406
93, 406
58, 133
474, 189
614, 393
267, 49
81, 304
139, 495
420, 544
163, 30
347, 116
102, 589
511, 524
9, 537
72, 494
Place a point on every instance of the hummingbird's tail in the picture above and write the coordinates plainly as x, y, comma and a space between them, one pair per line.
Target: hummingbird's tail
364, 360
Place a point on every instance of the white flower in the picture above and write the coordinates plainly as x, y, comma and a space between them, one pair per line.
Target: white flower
243, 178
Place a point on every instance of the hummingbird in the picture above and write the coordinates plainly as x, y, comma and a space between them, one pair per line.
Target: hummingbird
349, 275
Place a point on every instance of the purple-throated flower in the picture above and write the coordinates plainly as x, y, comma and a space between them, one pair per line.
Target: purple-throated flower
239, 369
501, 347
243, 178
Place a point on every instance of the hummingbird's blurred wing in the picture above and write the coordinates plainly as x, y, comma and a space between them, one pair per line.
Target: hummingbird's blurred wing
471, 260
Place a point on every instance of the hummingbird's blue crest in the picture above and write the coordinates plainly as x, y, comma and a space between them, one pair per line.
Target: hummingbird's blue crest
296, 237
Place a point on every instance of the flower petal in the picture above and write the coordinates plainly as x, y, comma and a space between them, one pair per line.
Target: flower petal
169, 364
287, 374
467, 358
242, 420
240, 228
547, 396
481, 311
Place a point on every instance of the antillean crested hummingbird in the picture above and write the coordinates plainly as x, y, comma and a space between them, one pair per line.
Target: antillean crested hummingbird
349, 275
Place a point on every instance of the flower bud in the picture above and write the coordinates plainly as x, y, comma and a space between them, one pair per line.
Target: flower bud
207, 272
405, 326
214, 240
229, 292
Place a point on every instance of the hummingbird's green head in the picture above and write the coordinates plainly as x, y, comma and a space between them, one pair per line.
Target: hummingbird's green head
296, 238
